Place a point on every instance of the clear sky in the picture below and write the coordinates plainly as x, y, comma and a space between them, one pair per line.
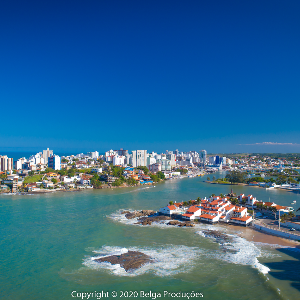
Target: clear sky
92, 75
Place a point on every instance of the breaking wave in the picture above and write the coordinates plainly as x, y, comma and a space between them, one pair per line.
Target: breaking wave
236, 250
167, 261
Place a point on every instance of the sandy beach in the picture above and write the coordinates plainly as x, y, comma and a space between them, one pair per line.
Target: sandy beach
260, 237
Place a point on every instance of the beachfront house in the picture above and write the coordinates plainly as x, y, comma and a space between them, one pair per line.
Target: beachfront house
169, 210
192, 213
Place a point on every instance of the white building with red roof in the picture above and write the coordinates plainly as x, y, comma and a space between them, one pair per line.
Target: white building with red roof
192, 213
169, 210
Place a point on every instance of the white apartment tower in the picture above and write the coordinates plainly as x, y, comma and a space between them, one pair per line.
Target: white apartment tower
6, 163
46, 154
54, 162
139, 158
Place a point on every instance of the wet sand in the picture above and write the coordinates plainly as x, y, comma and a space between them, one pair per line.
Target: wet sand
260, 237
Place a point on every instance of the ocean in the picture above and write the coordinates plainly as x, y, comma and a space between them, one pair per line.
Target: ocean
49, 243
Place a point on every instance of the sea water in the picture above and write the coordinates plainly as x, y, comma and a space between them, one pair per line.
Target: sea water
49, 244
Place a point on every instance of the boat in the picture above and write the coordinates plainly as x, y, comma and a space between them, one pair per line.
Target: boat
270, 188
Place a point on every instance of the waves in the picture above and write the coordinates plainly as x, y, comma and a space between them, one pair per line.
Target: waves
236, 250
167, 261
232, 249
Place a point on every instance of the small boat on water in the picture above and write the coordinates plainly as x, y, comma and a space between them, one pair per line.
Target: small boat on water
294, 202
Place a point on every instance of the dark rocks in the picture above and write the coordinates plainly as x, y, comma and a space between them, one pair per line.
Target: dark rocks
181, 224
137, 214
218, 236
129, 261
149, 220
174, 223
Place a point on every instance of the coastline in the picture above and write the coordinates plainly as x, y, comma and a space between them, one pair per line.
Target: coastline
253, 235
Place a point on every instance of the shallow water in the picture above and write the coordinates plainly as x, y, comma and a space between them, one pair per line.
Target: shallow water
49, 242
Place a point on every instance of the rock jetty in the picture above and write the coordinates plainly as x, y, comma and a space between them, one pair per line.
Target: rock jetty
129, 261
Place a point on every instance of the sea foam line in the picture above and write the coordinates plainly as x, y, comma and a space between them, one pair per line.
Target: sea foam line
238, 251
167, 261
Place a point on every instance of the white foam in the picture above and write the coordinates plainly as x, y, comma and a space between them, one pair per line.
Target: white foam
239, 251
119, 217
167, 261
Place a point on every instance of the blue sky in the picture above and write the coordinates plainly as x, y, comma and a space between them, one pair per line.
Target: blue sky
86, 75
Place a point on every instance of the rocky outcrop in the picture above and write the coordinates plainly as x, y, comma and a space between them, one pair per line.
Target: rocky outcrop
129, 261
181, 224
149, 220
137, 214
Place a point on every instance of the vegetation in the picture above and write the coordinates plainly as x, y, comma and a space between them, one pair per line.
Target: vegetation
234, 201
145, 169
182, 171
236, 176
33, 178
287, 217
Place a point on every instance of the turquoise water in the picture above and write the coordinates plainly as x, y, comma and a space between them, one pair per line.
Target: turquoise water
48, 242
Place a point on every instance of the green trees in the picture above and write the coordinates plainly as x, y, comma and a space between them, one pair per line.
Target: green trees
160, 175
117, 182
182, 171
54, 180
234, 201
208, 179
117, 171
154, 177
281, 179
131, 181
236, 176
185, 203
145, 169
171, 202
214, 178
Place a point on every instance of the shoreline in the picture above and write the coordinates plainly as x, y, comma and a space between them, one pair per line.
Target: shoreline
246, 184
253, 235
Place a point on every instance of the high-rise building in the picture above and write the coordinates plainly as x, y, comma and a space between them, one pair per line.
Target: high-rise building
122, 152
218, 160
203, 155
54, 162
139, 158
94, 154
46, 154
6, 163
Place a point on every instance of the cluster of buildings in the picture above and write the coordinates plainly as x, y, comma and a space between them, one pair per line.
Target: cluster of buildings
211, 210
39, 161
262, 163
220, 209
154, 161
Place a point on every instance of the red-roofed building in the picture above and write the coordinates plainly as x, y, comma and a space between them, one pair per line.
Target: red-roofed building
242, 221
168, 210
209, 218
192, 213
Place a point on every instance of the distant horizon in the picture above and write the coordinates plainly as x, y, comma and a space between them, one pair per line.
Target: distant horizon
70, 151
